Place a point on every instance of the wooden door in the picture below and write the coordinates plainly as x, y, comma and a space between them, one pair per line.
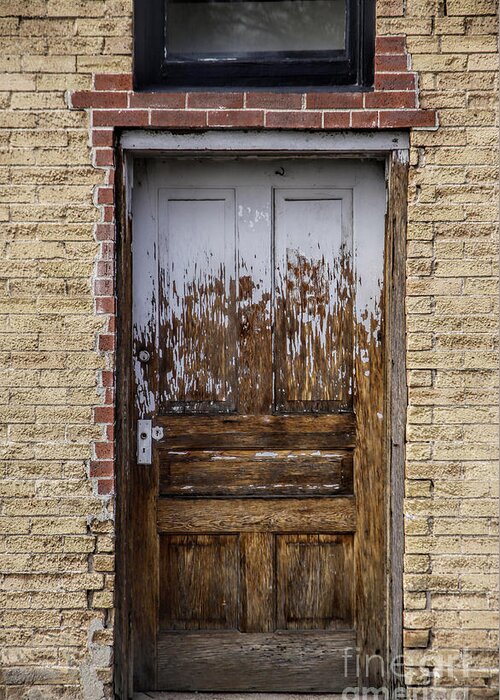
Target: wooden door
259, 534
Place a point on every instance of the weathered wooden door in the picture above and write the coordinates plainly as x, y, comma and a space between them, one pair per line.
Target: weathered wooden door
258, 355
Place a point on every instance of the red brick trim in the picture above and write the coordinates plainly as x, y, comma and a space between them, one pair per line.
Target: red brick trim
103, 451
112, 103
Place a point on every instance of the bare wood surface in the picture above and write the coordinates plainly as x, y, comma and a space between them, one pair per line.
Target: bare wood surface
370, 472
397, 397
318, 432
173, 695
199, 580
143, 537
266, 440
197, 304
255, 371
251, 473
314, 575
293, 661
251, 514
257, 565
235, 424
125, 523
314, 301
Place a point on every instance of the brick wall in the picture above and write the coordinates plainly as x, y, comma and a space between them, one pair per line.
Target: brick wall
392, 104
56, 390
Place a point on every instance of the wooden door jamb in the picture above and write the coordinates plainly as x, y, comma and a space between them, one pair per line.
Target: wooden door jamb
354, 145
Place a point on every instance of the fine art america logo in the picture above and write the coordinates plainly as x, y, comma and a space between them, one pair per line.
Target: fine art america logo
445, 673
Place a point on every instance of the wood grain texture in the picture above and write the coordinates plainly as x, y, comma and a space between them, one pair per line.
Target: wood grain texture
143, 537
370, 470
282, 662
255, 372
197, 303
258, 589
305, 556
314, 302
199, 580
397, 395
251, 473
125, 523
312, 432
314, 576
250, 514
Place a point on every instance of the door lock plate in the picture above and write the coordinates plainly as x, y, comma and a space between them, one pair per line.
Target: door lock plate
143, 442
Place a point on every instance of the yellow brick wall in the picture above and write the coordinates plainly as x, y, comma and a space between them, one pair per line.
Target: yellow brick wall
451, 507
56, 558
56, 563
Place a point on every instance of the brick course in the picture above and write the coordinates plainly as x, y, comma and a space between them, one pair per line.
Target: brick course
393, 103
57, 325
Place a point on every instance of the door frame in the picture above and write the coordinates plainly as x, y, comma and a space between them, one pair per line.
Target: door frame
393, 147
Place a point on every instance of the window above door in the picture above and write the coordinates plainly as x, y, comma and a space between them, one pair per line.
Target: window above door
253, 43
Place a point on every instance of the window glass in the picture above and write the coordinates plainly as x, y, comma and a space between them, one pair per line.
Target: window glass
239, 27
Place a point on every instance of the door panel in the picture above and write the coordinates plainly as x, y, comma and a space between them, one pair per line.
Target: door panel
263, 381
255, 346
313, 247
252, 473
197, 291
199, 582
314, 574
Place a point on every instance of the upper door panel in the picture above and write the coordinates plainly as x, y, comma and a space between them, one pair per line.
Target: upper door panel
197, 300
251, 290
314, 300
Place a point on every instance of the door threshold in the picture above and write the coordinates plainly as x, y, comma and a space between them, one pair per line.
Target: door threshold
239, 696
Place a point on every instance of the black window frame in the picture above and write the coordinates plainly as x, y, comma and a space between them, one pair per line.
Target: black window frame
352, 68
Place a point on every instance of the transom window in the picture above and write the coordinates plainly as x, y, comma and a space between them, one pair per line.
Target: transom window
253, 43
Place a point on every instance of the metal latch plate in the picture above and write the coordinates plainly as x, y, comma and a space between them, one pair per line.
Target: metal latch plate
143, 442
